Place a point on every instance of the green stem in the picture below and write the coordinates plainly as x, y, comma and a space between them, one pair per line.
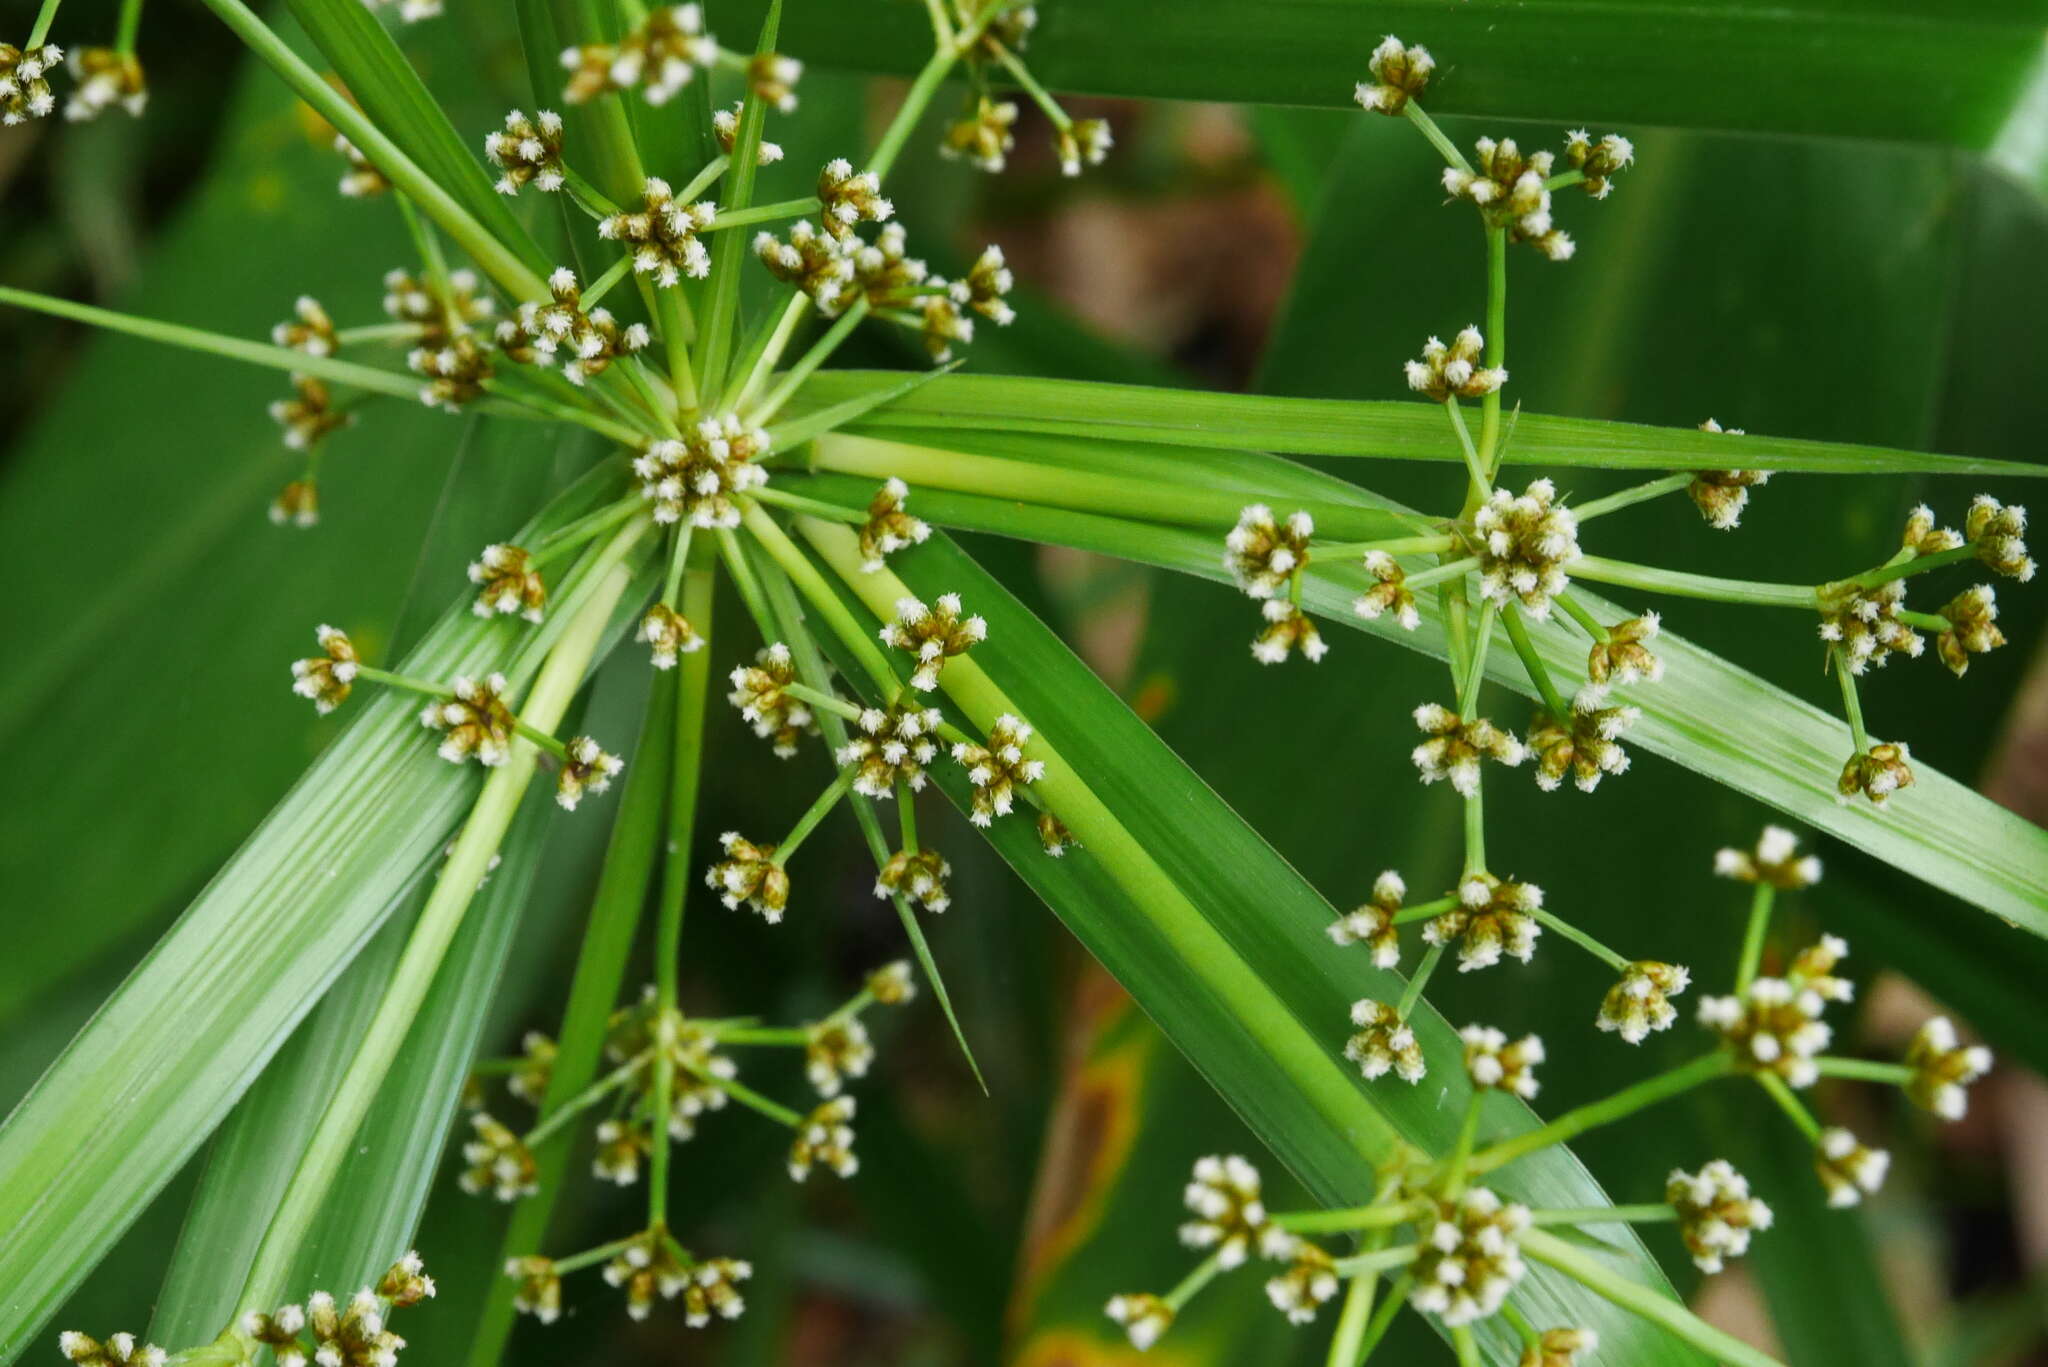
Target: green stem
1383, 1318
678, 559
794, 1035
602, 286
1552, 921
823, 701
1581, 614
671, 311
810, 360
914, 104
1475, 468
1852, 705
1641, 1301
1204, 1272
589, 198
1442, 574
1753, 936
748, 1097
590, 1257
744, 580
1628, 498
1496, 345
585, 1099
559, 679
378, 332
369, 674
1029, 84
817, 812
823, 599
1461, 1151
1518, 632
540, 738
1780, 1091
1475, 671
327, 368
1679, 584
1622, 1104
765, 213
497, 260
1412, 993
1442, 144
512, 392
906, 817
1604, 1215
1866, 1070
1399, 545
1423, 911
1884, 574
1565, 180
685, 775
816, 507
778, 342
586, 528
1351, 1324
1464, 1346
1379, 1260
701, 182
1475, 829
40, 30
608, 936
1348, 1219
1525, 1330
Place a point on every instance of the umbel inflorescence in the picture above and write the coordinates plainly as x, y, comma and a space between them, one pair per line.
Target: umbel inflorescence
1505, 562
711, 424
1455, 1249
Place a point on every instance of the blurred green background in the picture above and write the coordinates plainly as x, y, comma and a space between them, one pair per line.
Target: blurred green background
1848, 291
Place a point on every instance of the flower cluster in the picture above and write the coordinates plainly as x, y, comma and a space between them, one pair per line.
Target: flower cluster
309, 415
919, 875
696, 478
25, 82
1453, 372
667, 635
1721, 495
1372, 925
894, 745
536, 334
658, 58
105, 77
1399, 73
1229, 1214
932, 635
1640, 1003
1775, 861
1384, 1043
1867, 625
749, 876
1390, 594
1470, 1258
825, 1139
528, 151
889, 528
1455, 747
1996, 532
1525, 542
507, 583
1623, 656
362, 179
999, 769
1585, 746
1493, 918
475, 721
1774, 1025
1716, 1213
760, 692
1972, 618
326, 680
662, 235
1943, 1067
1511, 193
440, 313
1496, 1064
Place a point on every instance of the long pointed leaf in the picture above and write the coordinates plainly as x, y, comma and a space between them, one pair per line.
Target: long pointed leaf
1383, 429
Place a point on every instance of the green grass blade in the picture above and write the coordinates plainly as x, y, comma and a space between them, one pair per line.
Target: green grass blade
1219, 940
1707, 714
378, 1196
382, 80
192, 1026
1382, 429
1870, 71
257, 1149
